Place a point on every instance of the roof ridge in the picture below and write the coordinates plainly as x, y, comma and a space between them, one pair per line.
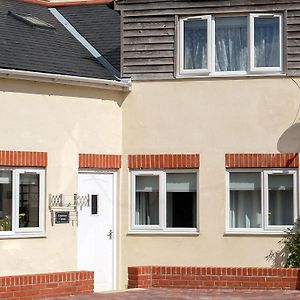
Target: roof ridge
66, 3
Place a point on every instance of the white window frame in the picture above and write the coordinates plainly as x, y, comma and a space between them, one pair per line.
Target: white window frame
254, 69
162, 227
251, 70
265, 228
16, 230
181, 46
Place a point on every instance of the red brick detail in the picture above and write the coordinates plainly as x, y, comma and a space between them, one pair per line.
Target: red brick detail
100, 161
41, 286
213, 277
164, 161
23, 159
260, 160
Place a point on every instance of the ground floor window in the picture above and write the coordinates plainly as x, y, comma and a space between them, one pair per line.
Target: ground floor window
261, 200
164, 200
21, 201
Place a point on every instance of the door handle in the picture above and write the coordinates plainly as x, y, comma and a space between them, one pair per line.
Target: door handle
110, 233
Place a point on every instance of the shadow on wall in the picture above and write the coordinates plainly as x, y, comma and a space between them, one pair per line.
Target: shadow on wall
289, 141
49, 89
278, 258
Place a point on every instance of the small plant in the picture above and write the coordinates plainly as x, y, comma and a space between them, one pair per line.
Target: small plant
292, 245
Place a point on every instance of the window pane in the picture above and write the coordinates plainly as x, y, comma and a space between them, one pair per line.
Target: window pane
29, 200
5, 200
231, 44
266, 42
195, 44
181, 200
147, 200
281, 205
245, 200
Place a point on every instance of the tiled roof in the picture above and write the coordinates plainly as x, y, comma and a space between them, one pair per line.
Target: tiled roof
24, 47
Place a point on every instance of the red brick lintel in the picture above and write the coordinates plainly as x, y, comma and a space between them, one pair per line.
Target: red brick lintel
23, 159
164, 161
213, 277
262, 160
38, 286
99, 161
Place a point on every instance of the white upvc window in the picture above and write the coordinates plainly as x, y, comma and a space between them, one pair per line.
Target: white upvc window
164, 201
261, 201
265, 42
22, 201
230, 44
195, 45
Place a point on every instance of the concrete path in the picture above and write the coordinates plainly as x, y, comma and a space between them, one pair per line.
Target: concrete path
185, 294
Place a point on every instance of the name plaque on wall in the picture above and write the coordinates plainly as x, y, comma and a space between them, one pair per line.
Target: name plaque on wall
62, 217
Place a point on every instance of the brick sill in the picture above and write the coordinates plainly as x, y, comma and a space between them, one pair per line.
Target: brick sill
245, 233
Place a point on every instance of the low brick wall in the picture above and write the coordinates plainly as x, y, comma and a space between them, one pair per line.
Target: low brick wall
41, 286
213, 277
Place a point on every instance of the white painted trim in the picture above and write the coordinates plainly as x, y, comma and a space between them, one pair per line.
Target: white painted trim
66, 79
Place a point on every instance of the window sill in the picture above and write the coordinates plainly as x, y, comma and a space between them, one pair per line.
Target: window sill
170, 233
23, 236
253, 233
230, 75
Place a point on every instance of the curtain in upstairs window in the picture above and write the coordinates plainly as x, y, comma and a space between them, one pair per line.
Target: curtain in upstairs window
266, 42
231, 44
195, 44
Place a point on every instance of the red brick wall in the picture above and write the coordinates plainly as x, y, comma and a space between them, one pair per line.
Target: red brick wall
213, 277
164, 161
23, 159
41, 286
262, 160
100, 161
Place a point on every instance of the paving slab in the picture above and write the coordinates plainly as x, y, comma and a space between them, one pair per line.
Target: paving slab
187, 294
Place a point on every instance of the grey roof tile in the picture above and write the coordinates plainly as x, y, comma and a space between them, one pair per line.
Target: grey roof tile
23, 47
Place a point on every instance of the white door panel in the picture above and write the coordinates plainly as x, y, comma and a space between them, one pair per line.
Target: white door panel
95, 245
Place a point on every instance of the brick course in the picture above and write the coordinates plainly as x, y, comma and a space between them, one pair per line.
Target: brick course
213, 277
99, 161
23, 159
262, 160
164, 161
41, 286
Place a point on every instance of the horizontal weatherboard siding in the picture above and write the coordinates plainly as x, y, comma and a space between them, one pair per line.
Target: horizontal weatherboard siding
149, 32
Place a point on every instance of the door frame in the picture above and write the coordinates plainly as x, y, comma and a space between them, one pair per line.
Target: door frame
114, 173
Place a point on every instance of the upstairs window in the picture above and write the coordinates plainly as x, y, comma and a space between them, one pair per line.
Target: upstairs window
213, 45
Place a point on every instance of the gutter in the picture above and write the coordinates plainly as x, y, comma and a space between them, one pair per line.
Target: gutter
66, 79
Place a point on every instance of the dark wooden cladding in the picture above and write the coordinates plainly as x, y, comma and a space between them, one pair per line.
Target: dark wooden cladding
149, 31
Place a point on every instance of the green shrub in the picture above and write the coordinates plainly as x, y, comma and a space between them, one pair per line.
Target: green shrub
292, 246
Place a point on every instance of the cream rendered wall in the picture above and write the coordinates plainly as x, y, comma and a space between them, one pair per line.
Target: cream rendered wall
63, 121
211, 117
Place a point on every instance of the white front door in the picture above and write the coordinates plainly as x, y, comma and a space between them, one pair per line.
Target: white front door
96, 232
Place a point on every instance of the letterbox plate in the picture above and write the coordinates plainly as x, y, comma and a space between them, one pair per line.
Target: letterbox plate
62, 217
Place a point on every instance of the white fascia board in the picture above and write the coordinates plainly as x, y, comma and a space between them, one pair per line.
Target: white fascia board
67, 79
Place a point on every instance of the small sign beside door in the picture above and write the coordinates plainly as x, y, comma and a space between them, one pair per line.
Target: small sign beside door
62, 217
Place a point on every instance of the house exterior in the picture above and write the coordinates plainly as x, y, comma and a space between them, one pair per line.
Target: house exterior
193, 163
